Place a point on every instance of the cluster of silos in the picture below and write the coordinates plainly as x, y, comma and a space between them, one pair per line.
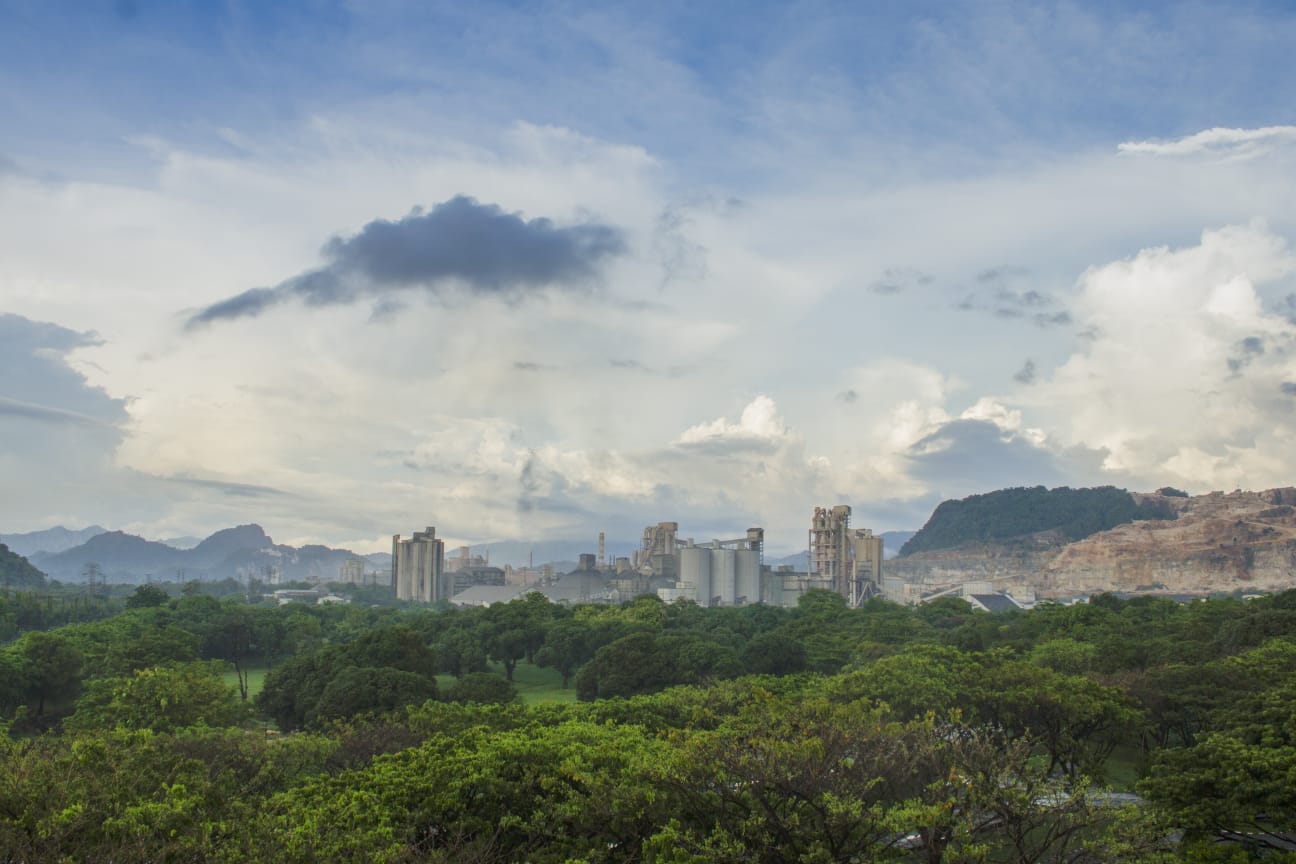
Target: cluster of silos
716, 576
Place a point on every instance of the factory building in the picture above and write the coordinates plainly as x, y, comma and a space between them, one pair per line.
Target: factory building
843, 560
352, 571
463, 559
720, 573
418, 568
657, 555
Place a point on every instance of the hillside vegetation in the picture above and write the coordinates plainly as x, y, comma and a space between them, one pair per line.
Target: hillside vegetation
1012, 513
17, 572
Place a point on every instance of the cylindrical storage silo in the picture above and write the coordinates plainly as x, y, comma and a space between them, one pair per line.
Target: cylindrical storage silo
748, 586
724, 574
695, 573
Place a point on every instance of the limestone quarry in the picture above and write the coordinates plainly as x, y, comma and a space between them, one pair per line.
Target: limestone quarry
1219, 542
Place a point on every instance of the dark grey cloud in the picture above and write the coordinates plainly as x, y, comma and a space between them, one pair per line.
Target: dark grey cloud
1001, 273
238, 490
541, 489
1244, 352
528, 366
848, 396
894, 280
1026, 374
1004, 301
1289, 388
1051, 319
1288, 308
681, 258
37, 383
459, 243
976, 455
636, 366
58, 433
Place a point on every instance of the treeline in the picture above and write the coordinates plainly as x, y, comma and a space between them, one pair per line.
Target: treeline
819, 733
1012, 513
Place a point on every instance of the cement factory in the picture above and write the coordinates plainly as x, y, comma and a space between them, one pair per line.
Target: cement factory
845, 560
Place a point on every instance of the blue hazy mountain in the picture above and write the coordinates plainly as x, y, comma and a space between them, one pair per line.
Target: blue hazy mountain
51, 540
233, 553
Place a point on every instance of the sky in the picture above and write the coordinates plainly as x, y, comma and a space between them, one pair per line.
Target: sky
536, 270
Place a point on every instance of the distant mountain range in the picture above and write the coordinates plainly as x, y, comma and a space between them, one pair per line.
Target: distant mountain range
241, 552
51, 540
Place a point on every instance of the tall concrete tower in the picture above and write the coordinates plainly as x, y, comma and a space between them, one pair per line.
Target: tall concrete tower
418, 567
843, 560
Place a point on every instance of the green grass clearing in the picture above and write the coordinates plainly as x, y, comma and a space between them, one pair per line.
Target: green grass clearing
534, 684
256, 679
1123, 768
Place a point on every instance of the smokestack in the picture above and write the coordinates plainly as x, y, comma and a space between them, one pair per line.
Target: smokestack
601, 560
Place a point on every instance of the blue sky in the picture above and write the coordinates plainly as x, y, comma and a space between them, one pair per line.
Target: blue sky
877, 254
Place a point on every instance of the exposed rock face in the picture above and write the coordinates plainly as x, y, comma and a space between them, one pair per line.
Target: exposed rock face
1219, 542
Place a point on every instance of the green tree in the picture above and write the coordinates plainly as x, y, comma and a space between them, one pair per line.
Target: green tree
565, 647
161, 699
774, 653
51, 669
366, 690
812, 781
483, 688
146, 597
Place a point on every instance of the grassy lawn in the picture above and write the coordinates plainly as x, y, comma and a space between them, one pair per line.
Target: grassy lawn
256, 679
1122, 768
533, 684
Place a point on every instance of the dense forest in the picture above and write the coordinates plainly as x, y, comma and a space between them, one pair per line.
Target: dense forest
194, 728
1012, 513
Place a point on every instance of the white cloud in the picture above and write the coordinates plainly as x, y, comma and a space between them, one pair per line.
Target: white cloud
1183, 381
760, 421
1230, 143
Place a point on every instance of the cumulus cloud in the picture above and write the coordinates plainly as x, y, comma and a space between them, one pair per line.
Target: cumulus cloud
1231, 143
760, 425
460, 243
1158, 387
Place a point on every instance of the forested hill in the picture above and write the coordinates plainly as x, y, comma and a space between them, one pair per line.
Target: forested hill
1012, 513
17, 572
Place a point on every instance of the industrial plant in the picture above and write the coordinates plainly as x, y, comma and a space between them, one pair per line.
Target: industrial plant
732, 572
